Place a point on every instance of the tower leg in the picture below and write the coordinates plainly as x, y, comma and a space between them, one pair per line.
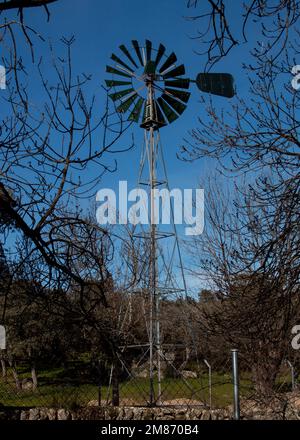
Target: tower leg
152, 264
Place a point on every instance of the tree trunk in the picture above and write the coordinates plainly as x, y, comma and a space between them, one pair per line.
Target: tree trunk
15, 374
264, 376
4, 371
115, 386
34, 377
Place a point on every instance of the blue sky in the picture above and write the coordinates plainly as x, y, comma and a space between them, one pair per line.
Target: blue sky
99, 27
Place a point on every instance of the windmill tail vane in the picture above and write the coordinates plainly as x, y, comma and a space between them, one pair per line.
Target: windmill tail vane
149, 85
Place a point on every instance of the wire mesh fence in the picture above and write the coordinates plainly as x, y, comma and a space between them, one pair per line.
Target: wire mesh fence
84, 382
273, 402
68, 385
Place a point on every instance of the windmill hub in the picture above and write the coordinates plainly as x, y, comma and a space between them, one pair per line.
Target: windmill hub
150, 70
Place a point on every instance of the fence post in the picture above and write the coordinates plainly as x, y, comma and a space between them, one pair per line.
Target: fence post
209, 383
2, 338
236, 384
292, 374
99, 383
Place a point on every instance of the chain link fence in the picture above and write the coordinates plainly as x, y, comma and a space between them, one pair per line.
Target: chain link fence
86, 382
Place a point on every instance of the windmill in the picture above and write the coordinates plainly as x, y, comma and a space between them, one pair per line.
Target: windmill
149, 87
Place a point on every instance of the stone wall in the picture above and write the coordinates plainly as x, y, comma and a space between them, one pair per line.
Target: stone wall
115, 413
275, 408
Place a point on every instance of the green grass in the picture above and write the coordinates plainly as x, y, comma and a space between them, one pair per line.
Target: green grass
71, 387
56, 389
47, 395
196, 390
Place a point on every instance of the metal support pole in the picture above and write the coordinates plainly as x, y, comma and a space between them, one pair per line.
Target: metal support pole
158, 351
209, 383
99, 385
154, 294
152, 269
236, 384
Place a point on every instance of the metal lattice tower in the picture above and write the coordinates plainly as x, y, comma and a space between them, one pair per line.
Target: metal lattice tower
150, 87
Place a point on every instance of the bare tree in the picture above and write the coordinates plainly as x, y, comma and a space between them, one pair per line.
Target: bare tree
258, 138
56, 144
20, 4
255, 286
218, 34
51, 157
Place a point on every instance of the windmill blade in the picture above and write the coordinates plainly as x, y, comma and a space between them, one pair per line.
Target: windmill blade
110, 69
221, 84
179, 107
126, 104
159, 55
113, 83
160, 116
136, 47
136, 112
168, 112
178, 71
119, 61
127, 53
120, 94
168, 63
182, 83
148, 50
179, 94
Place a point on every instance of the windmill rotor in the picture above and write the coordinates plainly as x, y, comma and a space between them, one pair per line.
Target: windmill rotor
136, 68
